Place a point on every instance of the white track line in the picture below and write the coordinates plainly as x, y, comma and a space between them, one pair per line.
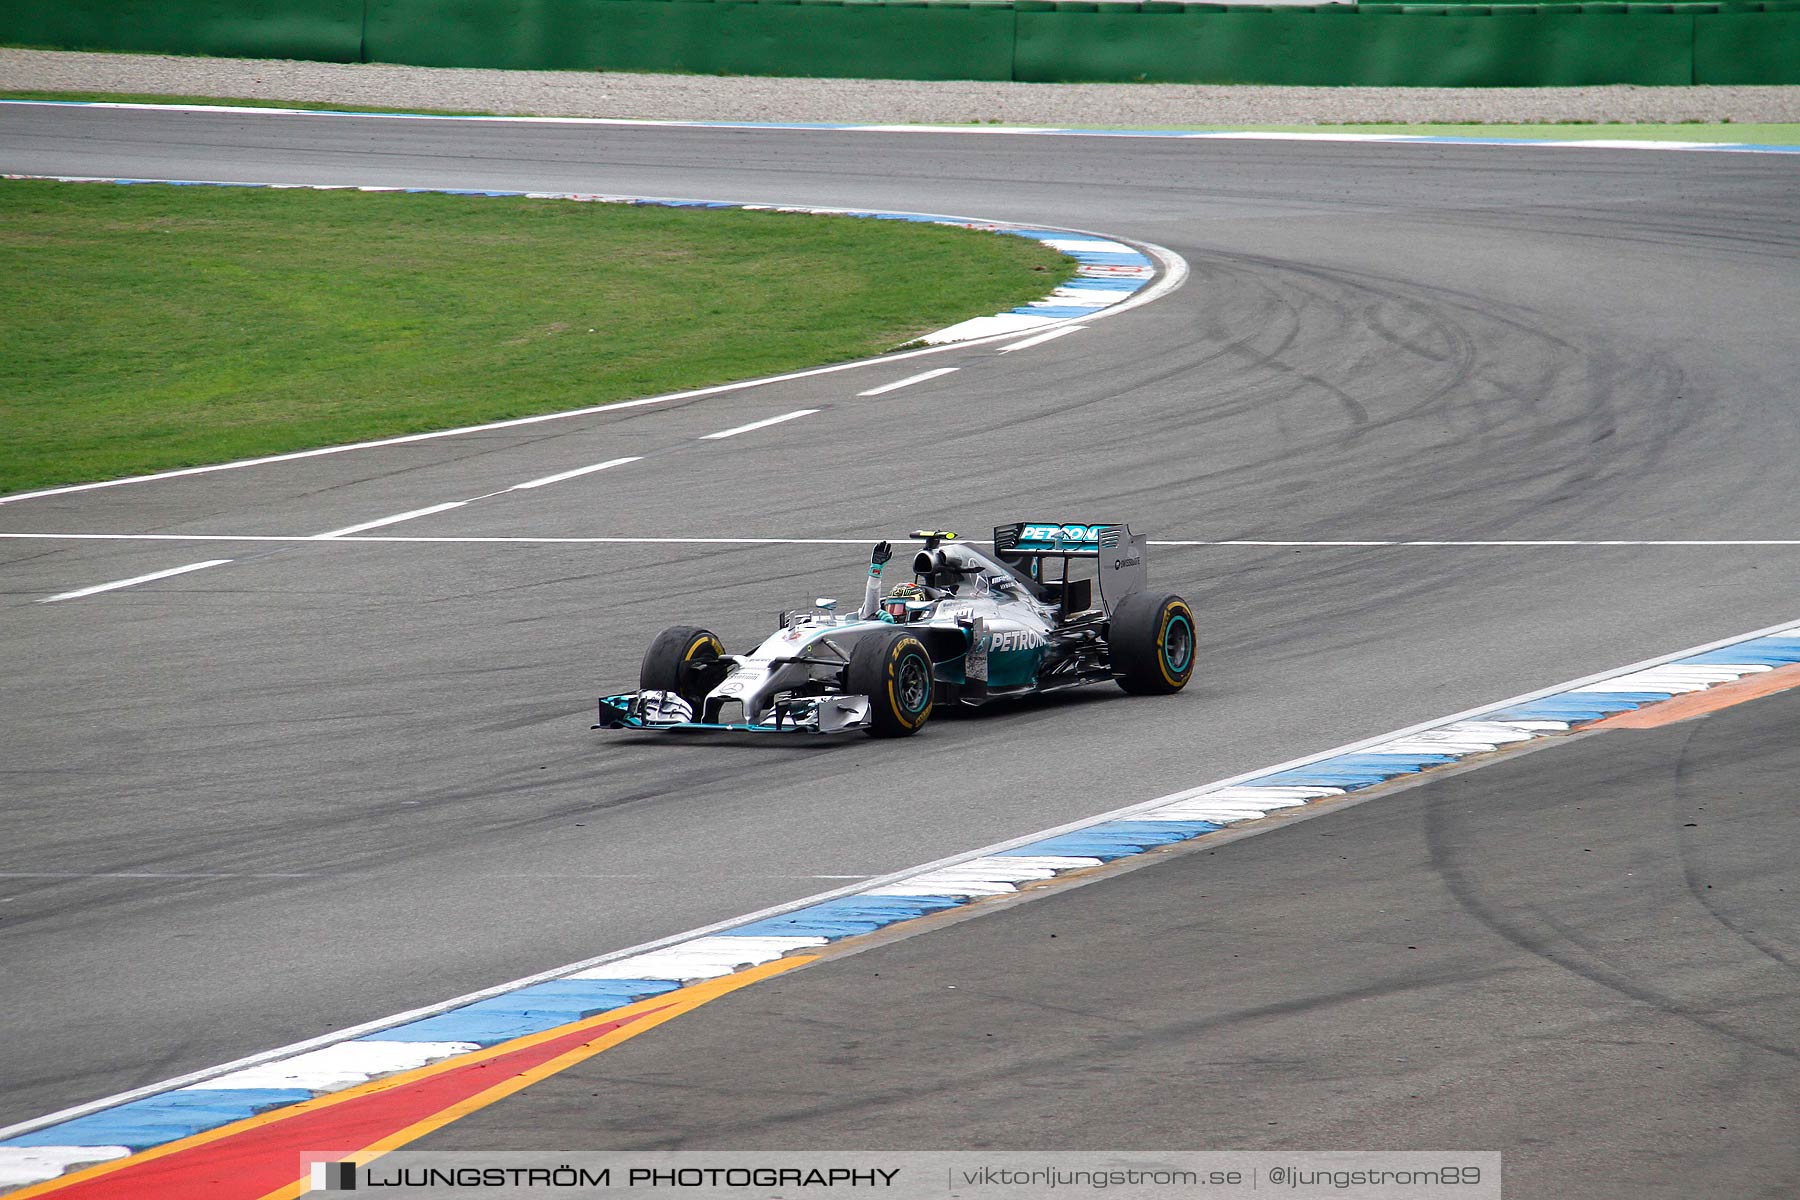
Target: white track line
406, 439
575, 474
978, 130
921, 377
339, 534
763, 424
134, 581
378, 522
1041, 338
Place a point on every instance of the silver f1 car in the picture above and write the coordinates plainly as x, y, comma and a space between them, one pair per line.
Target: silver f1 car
969, 629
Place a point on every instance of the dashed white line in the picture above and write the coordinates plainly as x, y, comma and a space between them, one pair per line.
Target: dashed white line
1047, 336
512, 423
921, 377
393, 520
116, 584
576, 473
416, 513
763, 424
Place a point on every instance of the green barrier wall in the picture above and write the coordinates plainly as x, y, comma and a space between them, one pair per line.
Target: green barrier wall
320, 30
1451, 44
1515, 50
1746, 48
877, 41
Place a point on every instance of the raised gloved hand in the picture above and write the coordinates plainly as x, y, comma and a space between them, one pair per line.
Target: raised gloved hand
878, 557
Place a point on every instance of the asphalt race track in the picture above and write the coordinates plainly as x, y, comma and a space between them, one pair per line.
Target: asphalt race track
1585, 956
329, 781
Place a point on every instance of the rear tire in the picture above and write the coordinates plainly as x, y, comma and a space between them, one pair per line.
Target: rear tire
677, 661
1152, 643
893, 670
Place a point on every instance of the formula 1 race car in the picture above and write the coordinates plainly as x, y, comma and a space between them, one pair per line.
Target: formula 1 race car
969, 629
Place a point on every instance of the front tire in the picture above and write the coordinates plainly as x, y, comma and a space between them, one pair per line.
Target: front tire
1152, 643
683, 660
893, 670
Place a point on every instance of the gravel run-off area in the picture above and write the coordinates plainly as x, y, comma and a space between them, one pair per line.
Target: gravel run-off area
746, 98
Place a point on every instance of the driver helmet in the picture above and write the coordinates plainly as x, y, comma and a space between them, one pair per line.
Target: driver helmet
901, 601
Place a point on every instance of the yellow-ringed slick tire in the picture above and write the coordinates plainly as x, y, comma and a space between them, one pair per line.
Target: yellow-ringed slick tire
1152, 642
893, 669
683, 660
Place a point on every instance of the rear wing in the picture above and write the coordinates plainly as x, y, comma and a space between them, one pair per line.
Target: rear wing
1119, 553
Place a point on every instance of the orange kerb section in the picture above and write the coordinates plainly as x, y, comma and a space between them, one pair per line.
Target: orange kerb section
1698, 704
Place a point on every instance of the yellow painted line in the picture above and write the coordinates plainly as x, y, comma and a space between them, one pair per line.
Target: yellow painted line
1698, 704
702, 994
680, 1001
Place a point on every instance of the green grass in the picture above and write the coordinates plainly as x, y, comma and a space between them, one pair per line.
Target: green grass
149, 327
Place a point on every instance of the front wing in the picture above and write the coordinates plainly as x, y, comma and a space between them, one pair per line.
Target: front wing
807, 714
